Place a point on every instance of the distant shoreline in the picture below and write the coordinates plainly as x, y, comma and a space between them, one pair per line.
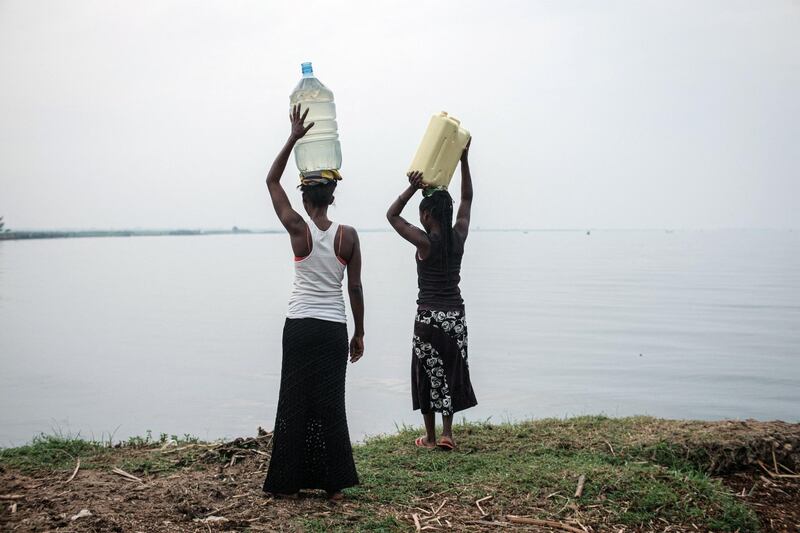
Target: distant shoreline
24, 235
72, 234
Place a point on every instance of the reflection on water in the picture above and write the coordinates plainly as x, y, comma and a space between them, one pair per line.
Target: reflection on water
182, 334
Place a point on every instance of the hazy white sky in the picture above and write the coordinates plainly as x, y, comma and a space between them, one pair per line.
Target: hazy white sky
584, 114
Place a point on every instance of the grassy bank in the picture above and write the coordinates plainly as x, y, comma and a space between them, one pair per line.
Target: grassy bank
641, 474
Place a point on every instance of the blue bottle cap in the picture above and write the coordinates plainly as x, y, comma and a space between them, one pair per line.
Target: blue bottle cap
307, 68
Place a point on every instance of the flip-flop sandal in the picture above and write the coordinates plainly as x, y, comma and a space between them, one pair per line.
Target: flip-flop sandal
420, 443
446, 443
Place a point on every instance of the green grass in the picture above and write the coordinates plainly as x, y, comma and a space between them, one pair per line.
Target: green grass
51, 452
537, 464
59, 452
640, 472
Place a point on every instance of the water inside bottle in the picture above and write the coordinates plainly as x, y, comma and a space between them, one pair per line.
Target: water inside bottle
320, 148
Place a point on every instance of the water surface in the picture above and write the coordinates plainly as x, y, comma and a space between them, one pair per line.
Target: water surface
103, 336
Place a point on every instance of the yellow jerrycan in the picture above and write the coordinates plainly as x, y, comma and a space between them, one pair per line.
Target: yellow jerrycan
440, 150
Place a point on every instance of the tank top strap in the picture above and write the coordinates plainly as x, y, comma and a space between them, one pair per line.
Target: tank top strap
326, 239
333, 232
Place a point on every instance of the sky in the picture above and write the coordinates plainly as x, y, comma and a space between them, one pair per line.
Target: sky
637, 114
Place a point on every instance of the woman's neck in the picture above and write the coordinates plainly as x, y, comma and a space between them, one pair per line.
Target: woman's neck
318, 214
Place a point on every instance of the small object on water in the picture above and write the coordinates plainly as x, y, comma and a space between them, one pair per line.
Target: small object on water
82, 514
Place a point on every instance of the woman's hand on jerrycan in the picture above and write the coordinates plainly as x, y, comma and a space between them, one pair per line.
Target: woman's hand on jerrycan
298, 130
415, 179
356, 348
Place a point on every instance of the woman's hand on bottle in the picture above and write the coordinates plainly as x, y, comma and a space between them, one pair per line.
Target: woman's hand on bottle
298, 129
415, 179
465, 153
356, 348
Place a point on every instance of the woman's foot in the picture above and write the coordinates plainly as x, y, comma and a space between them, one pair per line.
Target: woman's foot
446, 443
335, 496
424, 442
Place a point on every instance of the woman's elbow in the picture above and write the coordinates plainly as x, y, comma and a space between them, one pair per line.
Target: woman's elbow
355, 289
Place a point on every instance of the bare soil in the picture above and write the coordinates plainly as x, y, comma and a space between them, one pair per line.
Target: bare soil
218, 488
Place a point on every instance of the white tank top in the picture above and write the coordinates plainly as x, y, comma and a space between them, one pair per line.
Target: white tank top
318, 278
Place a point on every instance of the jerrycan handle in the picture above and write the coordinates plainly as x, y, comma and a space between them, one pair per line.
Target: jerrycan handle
444, 114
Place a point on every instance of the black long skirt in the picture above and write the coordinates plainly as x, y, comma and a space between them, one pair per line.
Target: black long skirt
311, 443
439, 368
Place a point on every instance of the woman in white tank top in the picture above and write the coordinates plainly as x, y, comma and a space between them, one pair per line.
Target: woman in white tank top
311, 443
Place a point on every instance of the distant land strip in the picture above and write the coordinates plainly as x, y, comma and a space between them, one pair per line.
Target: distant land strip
66, 234
20, 235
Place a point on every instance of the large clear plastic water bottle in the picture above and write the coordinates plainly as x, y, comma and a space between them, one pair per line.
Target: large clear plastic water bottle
319, 149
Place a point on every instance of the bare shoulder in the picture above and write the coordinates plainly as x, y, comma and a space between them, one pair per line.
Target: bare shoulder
348, 245
349, 233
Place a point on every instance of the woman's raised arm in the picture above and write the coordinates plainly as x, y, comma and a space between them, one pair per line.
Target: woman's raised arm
465, 205
404, 228
290, 218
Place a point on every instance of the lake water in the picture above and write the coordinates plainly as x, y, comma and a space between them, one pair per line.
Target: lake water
182, 334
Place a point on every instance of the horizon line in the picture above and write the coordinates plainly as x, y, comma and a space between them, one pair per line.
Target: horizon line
235, 229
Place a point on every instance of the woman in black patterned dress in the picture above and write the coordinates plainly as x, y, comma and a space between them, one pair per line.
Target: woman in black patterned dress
439, 368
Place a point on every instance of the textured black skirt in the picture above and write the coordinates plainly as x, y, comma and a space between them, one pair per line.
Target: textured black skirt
439, 368
311, 444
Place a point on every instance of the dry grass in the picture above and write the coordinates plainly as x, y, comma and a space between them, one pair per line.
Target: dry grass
641, 474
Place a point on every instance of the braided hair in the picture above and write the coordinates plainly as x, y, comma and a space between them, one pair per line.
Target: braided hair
440, 207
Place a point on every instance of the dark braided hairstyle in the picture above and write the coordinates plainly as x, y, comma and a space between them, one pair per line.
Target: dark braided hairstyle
319, 194
440, 207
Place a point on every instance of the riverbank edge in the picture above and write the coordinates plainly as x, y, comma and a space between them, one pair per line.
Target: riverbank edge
639, 474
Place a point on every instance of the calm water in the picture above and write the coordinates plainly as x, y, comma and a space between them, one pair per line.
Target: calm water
182, 334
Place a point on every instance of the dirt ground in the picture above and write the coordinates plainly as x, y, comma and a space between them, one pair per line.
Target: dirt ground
219, 489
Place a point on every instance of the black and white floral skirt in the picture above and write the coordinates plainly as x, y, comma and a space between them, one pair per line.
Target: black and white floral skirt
439, 369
